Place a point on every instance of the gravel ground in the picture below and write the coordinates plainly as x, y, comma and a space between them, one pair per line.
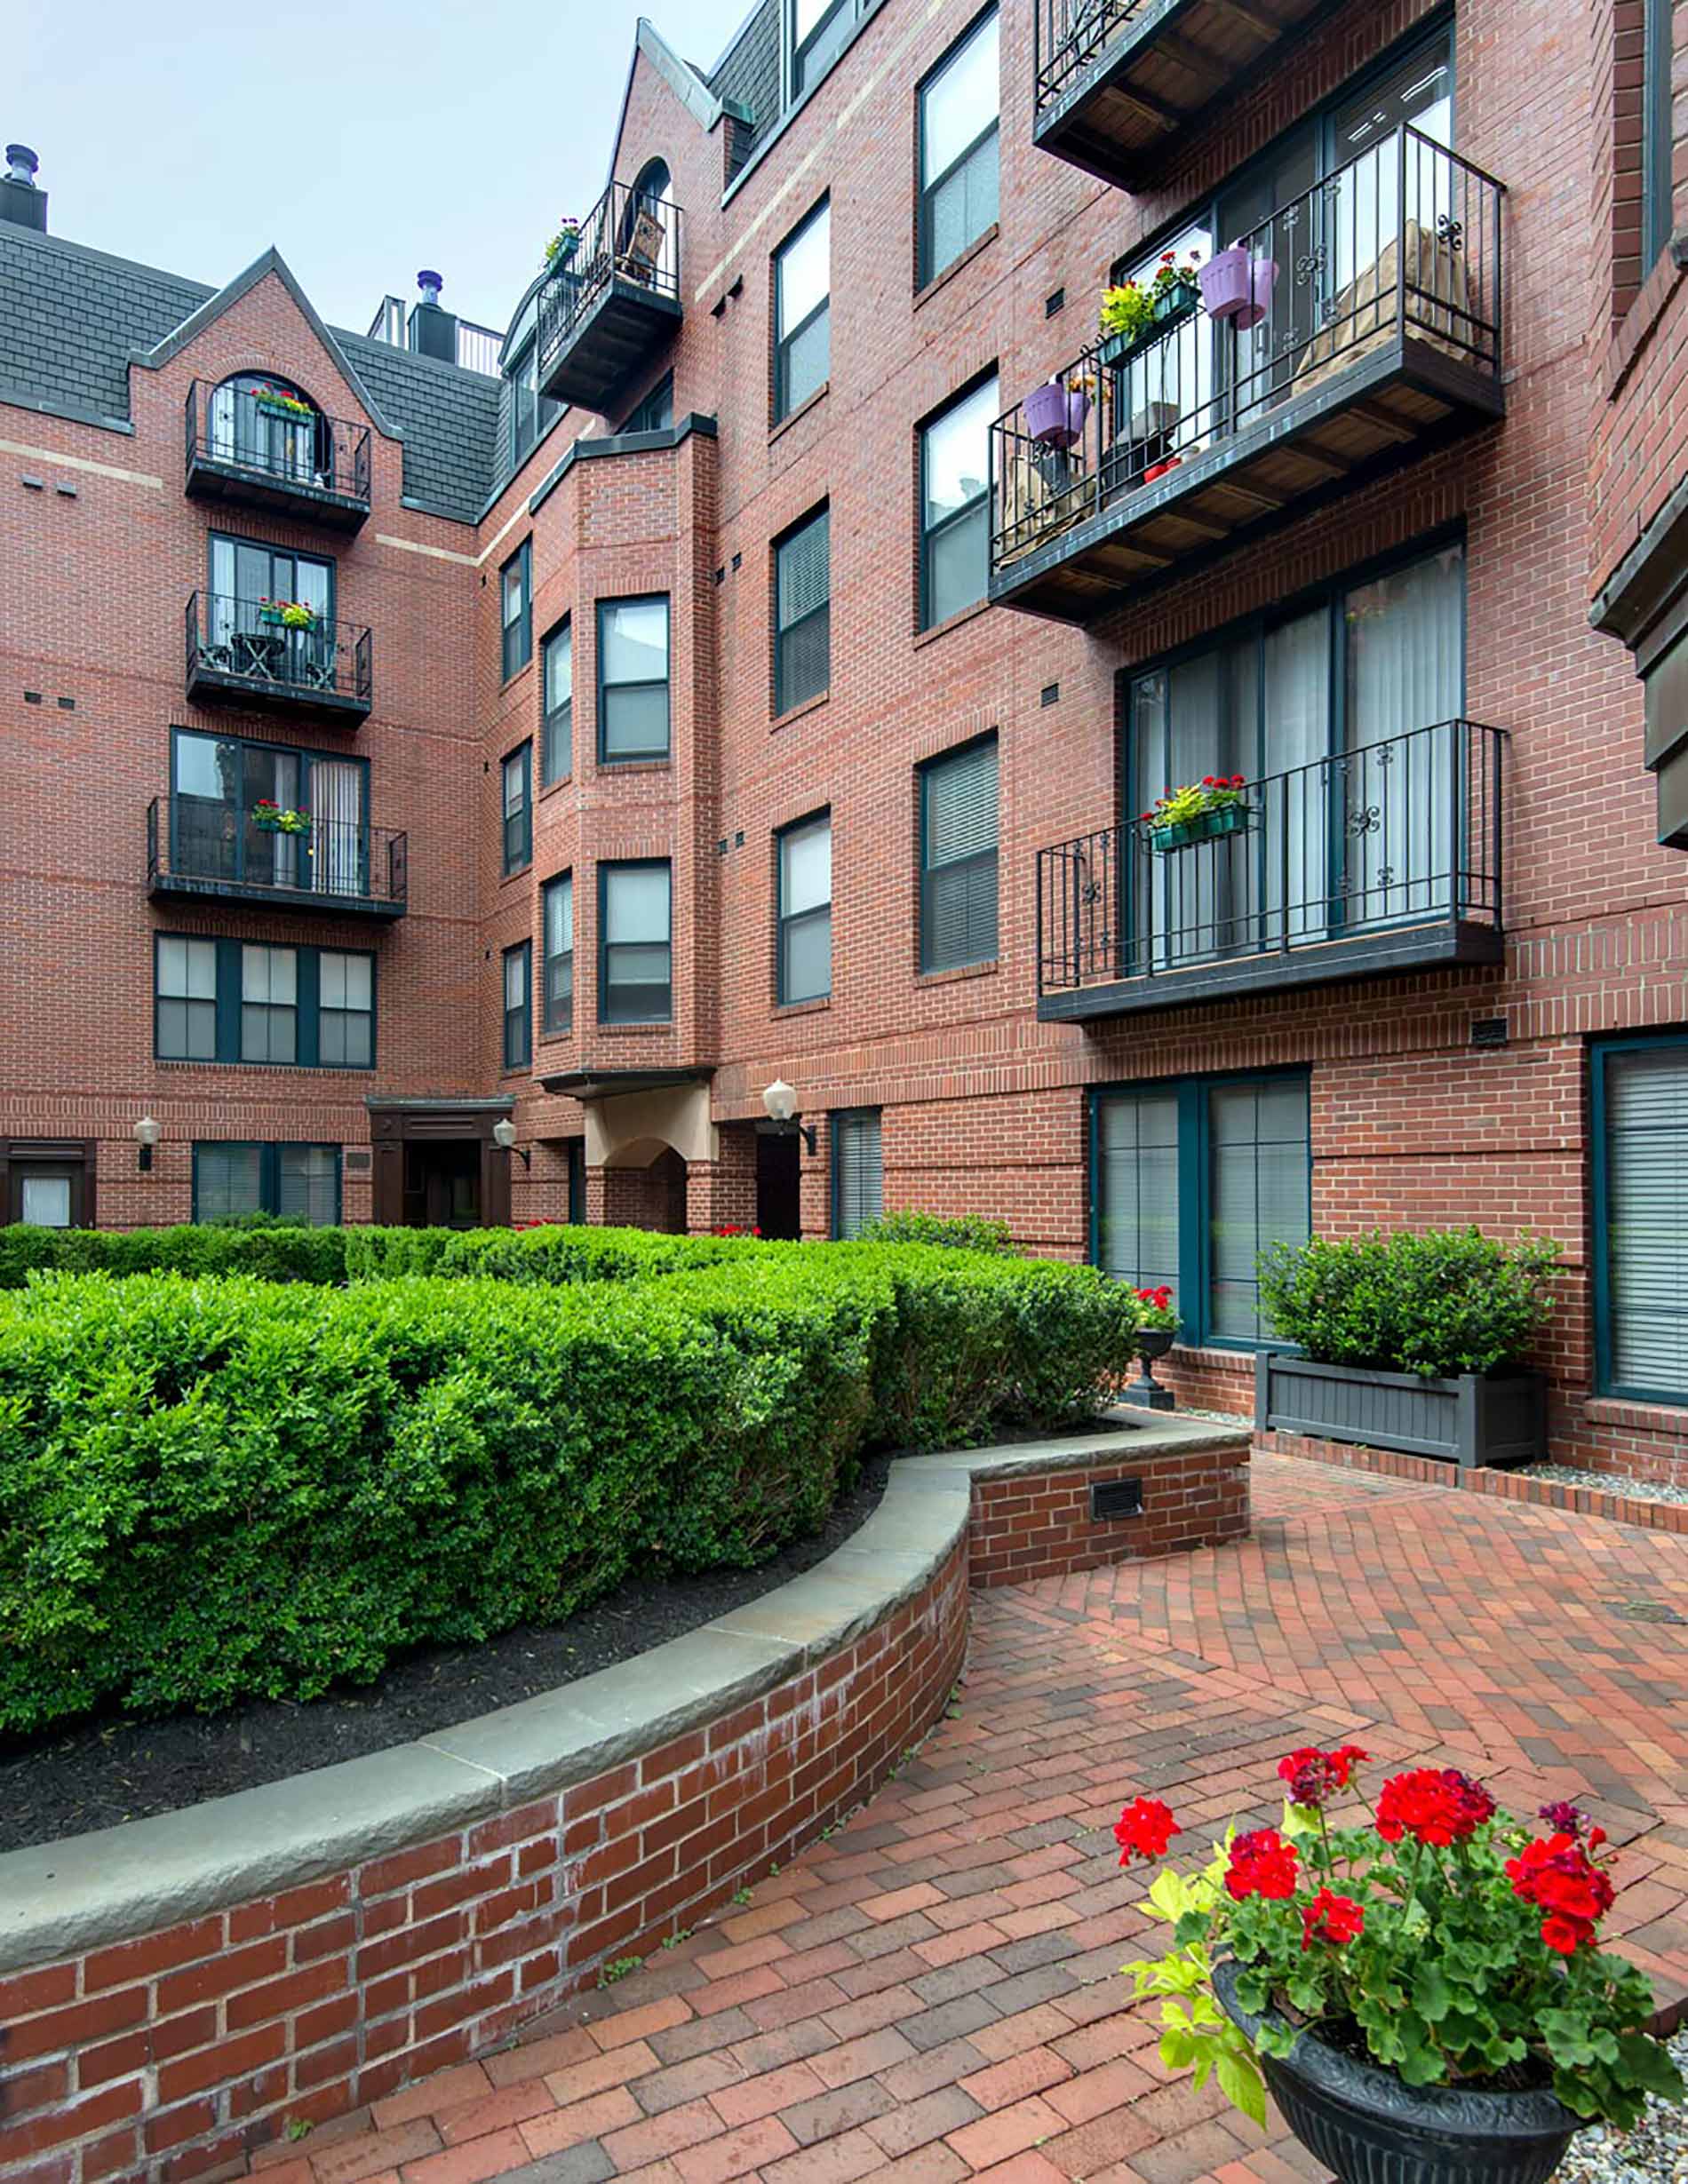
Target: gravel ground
1655, 2152
1605, 1481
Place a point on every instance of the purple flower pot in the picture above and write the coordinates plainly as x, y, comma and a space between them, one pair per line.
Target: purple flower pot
1263, 274
1055, 417
1226, 285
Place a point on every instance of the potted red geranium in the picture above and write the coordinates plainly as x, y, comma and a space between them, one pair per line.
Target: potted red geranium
1421, 1991
1157, 1330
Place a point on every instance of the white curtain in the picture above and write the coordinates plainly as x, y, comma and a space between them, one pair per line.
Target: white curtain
336, 827
1293, 794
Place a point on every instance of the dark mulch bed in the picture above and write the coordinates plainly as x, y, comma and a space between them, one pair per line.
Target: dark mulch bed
112, 1769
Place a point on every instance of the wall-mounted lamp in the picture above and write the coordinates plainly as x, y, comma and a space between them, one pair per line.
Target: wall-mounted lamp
148, 1133
781, 1102
504, 1136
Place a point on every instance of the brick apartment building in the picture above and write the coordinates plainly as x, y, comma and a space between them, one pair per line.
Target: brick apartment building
723, 676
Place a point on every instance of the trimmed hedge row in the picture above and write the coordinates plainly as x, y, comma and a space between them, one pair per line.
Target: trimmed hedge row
211, 1489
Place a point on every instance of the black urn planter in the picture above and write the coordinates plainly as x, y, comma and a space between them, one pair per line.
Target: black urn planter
1146, 1392
1368, 2128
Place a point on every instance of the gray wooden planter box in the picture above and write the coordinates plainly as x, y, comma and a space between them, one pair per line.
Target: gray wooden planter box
1469, 1421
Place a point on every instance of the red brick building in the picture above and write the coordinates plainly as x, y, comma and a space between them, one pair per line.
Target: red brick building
762, 687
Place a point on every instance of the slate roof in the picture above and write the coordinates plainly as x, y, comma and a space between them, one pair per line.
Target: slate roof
70, 317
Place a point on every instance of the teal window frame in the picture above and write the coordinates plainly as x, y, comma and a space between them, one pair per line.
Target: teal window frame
790, 689
516, 820
556, 1010
307, 988
926, 269
270, 1171
649, 754
606, 942
835, 1195
787, 397
516, 1024
574, 1159
515, 635
1193, 1295
654, 411
930, 961
1658, 188
556, 722
1600, 1052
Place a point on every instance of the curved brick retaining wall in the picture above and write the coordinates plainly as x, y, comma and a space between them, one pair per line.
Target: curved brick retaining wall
174, 1992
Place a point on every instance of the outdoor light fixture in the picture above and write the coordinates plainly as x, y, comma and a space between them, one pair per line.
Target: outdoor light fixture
504, 1136
148, 1133
781, 1102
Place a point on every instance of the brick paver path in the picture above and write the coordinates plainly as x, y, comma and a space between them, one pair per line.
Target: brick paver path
932, 1994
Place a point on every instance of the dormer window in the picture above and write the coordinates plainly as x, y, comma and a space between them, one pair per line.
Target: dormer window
817, 32
266, 423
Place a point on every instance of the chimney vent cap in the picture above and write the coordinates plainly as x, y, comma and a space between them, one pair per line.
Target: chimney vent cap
21, 163
430, 283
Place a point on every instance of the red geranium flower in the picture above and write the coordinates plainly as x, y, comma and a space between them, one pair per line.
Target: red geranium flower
1144, 1829
1313, 1776
1559, 1878
1333, 1918
1261, 1864
1433, 1804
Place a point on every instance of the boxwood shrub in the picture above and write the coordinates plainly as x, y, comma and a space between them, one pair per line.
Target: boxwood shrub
218, 1488
1439, 1302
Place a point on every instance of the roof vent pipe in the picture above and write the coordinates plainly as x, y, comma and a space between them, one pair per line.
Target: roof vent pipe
434, 333
21, 201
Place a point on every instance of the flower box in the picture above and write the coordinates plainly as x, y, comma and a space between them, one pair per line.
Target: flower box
282, 405
1170, 311
1176, 300
270, 615
1230, 818
1471, 1421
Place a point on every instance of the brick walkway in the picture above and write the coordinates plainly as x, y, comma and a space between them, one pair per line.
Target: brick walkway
932, 1994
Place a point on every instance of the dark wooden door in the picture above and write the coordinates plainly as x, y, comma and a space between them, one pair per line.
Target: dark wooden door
779, 1185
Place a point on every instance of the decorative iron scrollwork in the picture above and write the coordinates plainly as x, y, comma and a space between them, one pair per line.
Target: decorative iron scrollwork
1450, 231
1366, 819
1313, 262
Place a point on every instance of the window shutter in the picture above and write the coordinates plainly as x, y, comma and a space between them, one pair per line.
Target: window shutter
1647, 1218
860, 1182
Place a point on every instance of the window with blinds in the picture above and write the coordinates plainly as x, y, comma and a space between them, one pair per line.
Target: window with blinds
515, 597
1641, 1218
955, 516
802, 613
296, 1182
635, 922
556, 734
959, 858
805, 910
632, 678
958, 107
1191, 1180
518, 1005
802, 313
559, 912
858, 1171
518, 809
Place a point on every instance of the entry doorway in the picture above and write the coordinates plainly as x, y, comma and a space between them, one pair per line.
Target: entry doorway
442, 1185
779, 1185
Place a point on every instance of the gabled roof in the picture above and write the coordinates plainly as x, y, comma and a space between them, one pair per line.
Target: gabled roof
213, 307
692, 91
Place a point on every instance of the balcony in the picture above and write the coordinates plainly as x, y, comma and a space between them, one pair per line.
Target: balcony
241, 653
314, 468
1382, 860
1121, 82
605, 313
1379, 340
199, 850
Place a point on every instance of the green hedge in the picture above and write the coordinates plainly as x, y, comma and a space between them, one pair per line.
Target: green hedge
271, 1254
1439, 1302
967, 1232
219, 1488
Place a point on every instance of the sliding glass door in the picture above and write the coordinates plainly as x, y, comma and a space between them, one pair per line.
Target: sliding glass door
223, 791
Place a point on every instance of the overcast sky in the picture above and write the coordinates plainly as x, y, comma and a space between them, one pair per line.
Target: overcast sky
364, 138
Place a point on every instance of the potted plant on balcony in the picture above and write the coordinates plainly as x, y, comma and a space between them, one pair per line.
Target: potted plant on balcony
1056, 412
1237, 285
1421, 1991
1133, 310
1217, 804
280, 402
1409, 1342
562, 246
272, 818
287, 614
1156, 1330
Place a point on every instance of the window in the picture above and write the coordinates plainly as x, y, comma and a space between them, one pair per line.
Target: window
518, 1005
1374, 674
47, 1182
269, 1004
247, 582
958, 107
656, 413
818, 30
955, 519
1191, 1180
517, 609
635, 973
1641, 1217
805, 910
632, 678
802, 312
1657, 191
518, 809
802, 613
241, 1001
298, 1182
345, 1011
858, 1171
185, 1003
558, 1003
247, 425
575, 1155
959, 858
531, 414
218, 784
557, 732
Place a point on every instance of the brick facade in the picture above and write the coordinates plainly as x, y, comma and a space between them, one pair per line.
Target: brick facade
984, 1107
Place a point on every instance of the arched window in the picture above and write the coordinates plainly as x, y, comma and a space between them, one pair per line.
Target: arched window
649, 245
267, 423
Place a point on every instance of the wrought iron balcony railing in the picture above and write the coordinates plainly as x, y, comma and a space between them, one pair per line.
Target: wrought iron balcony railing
242, 651
242, 447
1379, 302
197, 846
1386, 857
612, 300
